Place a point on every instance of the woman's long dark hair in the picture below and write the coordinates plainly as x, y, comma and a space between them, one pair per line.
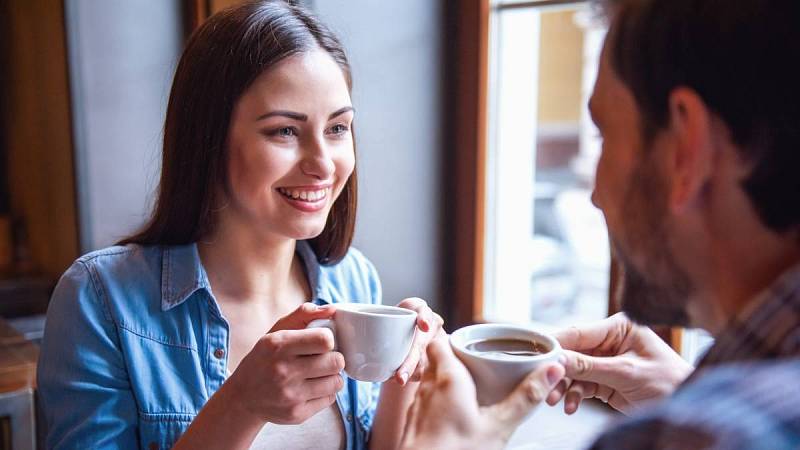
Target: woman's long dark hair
220, 61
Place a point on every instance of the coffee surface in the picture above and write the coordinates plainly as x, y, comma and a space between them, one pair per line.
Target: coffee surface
506, 347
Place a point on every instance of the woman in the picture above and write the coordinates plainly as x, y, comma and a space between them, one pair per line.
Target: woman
163, 340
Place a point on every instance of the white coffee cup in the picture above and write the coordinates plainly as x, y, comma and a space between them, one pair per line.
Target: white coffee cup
374, 339
496, 375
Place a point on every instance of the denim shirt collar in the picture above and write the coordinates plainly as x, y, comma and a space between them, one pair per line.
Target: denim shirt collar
182, 274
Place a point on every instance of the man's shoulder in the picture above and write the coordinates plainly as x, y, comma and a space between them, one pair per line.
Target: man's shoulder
742, 405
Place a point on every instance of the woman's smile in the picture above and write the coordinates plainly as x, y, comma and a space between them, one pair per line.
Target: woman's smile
306, 198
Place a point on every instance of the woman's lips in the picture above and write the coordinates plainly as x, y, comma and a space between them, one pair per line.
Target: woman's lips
306, 198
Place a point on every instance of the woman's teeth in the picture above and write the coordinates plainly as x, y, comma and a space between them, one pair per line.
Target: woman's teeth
308, 196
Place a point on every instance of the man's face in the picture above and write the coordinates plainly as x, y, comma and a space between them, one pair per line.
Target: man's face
632, 190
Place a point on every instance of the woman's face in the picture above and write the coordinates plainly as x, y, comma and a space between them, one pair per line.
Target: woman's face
290, 147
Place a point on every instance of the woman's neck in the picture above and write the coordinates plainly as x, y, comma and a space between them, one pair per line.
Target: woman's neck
244, 267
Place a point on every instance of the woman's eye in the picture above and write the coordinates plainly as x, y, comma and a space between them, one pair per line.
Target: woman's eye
339, 128
283, 132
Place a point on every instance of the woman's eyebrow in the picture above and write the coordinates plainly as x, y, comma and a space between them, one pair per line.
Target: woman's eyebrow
340, 111
300, 116
290, 114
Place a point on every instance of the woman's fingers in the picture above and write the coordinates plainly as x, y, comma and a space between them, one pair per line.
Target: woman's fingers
314, 366
424, 313
312, 341
322, 386
409, 366
303, 411
430, 325
302, 316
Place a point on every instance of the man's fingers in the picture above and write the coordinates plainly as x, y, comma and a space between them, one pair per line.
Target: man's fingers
588, 337
576, 393
526, 396
556, 394
302, 316
608, 370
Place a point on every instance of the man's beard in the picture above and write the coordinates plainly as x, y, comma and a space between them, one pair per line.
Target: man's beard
658, 294
653, 303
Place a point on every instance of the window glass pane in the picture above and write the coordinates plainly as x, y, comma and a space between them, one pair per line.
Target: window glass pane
547, 254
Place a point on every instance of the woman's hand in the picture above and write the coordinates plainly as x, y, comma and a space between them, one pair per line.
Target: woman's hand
429, 325
292, 372
619, 362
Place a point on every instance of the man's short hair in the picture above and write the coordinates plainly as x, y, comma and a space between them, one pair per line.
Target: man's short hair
743, 58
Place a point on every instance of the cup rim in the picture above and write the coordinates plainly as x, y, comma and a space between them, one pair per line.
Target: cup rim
457, 336
355, 307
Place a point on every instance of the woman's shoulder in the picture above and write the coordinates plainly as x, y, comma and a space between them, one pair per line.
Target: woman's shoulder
116, 255
102, 276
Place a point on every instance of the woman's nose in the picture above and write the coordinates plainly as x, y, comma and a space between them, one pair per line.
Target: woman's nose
318, 161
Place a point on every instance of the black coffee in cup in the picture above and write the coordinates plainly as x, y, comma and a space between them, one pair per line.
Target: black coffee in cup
506, 347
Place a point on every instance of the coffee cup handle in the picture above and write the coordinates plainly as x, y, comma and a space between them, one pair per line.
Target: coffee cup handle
325, 323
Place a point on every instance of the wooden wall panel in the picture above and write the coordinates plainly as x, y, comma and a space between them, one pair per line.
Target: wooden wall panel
38, 132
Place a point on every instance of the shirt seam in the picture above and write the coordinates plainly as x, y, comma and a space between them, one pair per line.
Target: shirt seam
92, 256
99, 292
155, 338
167, 416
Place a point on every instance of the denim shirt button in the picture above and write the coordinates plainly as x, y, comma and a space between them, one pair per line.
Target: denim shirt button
349, 417
219, 353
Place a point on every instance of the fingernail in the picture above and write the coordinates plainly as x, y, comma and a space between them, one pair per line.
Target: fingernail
404, 378
553, 375
322, 306
571, 407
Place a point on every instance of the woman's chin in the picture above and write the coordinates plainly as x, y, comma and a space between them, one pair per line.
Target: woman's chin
309, 231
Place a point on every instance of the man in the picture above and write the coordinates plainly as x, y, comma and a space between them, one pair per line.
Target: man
698, 104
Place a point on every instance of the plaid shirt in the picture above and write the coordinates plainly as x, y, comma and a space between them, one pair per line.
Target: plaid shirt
745, 393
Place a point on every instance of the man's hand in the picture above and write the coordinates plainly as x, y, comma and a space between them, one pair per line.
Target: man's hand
619, 362
445, 413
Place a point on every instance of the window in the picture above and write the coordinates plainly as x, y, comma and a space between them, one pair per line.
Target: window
546, 246
527, 244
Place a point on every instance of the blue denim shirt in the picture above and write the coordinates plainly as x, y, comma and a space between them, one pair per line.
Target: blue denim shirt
135, 344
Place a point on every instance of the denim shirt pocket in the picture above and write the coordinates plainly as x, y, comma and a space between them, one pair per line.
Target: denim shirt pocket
161, 431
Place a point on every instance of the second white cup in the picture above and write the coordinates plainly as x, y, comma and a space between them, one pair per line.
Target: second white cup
497, 373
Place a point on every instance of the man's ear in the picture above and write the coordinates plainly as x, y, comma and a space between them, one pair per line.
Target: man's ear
691, 162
